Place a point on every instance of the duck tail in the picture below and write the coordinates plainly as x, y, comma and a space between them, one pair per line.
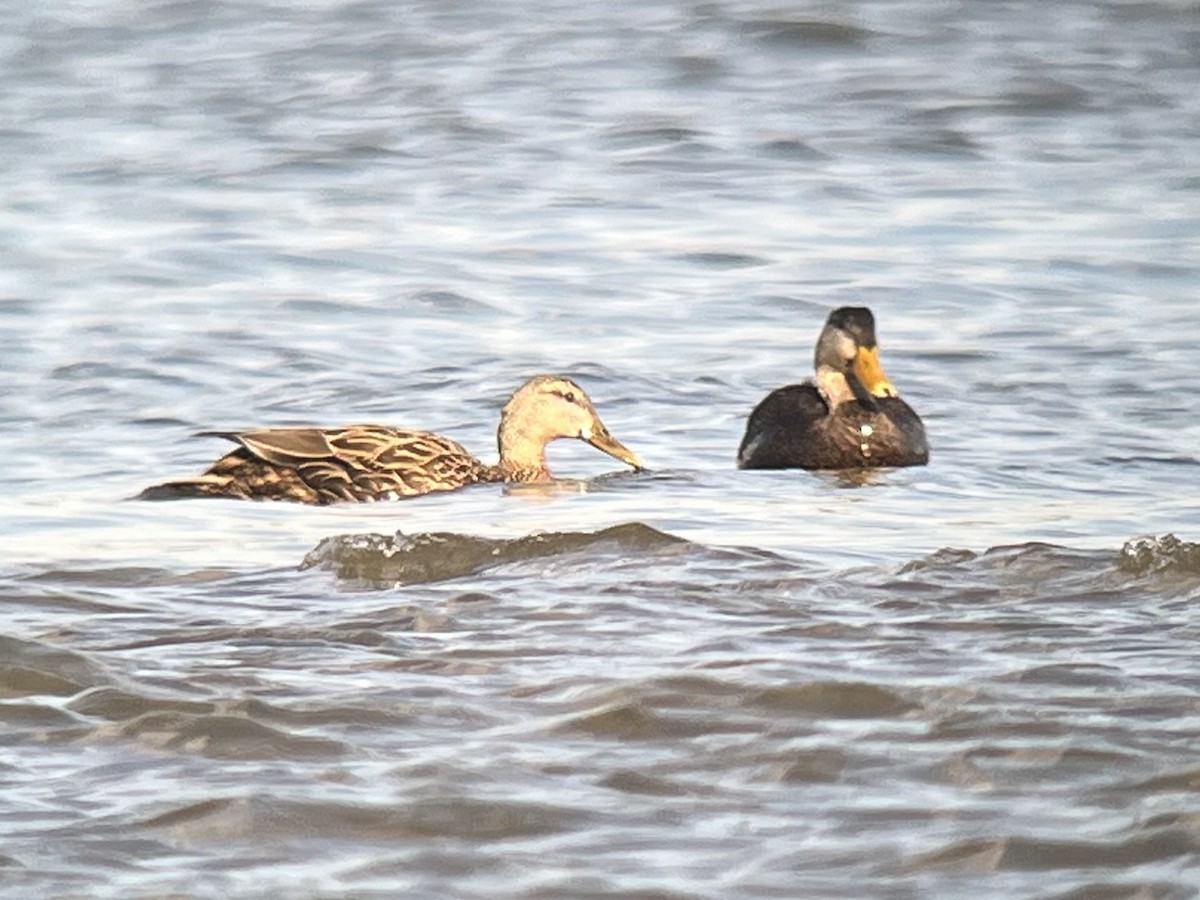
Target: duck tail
187, 488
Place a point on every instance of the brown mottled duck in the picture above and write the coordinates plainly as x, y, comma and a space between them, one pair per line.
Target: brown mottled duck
850, 417
379, 462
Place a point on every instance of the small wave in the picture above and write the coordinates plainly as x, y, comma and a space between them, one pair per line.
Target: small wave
439, 556
114, 703
1037, 572
790, 148
20, 716
123, 577
1034, 562
442, 301
1166, 554
641, 133
1004, 853
1015, 570
629, 781
807, 33
632, 720
30, 667
1047, 95
460, 818
834, 699
222, 737
667, 709
716, 259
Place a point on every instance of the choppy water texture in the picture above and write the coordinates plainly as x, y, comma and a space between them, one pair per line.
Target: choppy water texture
972, 679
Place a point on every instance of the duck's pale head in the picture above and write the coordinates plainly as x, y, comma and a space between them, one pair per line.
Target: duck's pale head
543, 409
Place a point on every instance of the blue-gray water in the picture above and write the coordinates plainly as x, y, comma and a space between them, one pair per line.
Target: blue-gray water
695, 682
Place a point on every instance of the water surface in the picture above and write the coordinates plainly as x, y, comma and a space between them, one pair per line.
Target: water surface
690, 682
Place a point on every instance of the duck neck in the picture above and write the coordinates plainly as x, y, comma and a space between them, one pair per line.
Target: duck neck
833, 387
522, 451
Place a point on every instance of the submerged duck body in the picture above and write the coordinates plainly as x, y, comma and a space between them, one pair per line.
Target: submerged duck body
848, 417
379, 462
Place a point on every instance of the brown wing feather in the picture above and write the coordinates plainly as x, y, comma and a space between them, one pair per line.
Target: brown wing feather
240, 475
282, 446
311, 465
376, 461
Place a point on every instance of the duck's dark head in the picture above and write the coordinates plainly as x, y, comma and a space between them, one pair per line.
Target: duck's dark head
847, 359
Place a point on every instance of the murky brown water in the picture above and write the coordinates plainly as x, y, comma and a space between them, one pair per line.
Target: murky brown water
971, 679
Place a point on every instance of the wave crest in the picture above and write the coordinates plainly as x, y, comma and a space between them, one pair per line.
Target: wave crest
439, 556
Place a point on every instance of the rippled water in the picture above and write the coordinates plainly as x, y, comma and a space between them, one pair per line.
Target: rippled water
973, 678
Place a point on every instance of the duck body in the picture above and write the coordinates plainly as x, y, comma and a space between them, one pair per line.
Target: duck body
850, 416
380, 462
793, 428
319, 465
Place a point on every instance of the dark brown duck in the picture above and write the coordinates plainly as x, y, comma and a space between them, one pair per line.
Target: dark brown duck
850, 416
379, 462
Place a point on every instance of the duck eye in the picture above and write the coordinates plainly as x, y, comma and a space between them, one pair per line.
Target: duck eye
569, 396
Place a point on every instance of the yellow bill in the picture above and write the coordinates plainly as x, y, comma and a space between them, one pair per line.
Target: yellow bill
870, 373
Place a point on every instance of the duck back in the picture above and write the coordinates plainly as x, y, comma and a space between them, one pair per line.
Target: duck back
793, 428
